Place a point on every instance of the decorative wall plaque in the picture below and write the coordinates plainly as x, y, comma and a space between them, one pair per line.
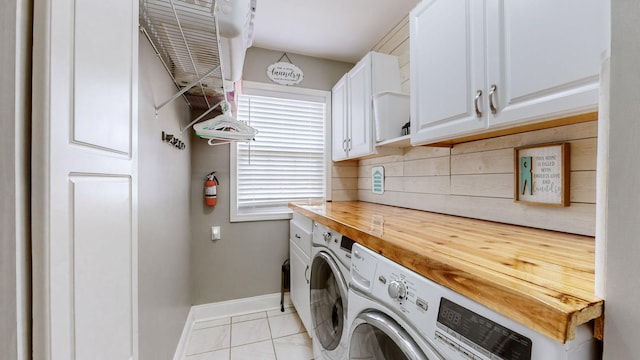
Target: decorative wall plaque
541, 174
377, 180
285, 73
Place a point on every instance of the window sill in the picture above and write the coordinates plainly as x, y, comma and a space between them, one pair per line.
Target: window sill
258, 216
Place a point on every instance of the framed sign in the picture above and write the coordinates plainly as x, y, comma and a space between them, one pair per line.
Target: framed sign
285, 73
377, 180
541, 174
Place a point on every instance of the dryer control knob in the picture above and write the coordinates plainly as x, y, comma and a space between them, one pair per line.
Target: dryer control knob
326, 236
397, 290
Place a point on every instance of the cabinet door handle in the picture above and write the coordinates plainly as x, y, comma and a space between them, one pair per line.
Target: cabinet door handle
492, 92
349, 144
297, 236
344, 144
476, 101
305, 274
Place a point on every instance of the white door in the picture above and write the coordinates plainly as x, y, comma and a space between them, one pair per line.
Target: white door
447, 69
339, 114
544, 57
360, 109
85, 179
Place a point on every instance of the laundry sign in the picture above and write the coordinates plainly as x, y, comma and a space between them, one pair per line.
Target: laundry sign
285, 73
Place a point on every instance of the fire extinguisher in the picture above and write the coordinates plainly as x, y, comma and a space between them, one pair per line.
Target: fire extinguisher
210, 189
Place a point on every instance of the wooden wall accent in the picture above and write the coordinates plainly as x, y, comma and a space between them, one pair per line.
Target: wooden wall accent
344, 181
475, 179
396, 42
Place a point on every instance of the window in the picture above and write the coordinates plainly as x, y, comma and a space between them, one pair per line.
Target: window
287, 161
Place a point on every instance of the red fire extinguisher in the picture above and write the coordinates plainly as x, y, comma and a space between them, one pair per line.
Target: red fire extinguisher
210, 189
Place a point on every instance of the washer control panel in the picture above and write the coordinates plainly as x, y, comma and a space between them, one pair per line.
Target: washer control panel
338, 244
395, 286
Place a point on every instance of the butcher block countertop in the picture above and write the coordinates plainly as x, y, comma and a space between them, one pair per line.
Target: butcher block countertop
542, 279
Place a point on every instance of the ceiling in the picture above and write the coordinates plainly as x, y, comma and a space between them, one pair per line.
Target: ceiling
342, 30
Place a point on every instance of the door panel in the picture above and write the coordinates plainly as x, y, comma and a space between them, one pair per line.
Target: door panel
360, 108
545, 63
447, 60
102, 74
102, 266
339, 118
300, 272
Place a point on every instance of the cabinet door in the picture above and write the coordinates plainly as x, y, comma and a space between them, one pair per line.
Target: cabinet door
544, 57
447, 69
299, 289
339, 112
360, 109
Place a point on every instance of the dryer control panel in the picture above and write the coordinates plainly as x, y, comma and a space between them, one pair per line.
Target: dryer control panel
481, 334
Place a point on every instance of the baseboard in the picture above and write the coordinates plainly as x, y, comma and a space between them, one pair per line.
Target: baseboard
211, 311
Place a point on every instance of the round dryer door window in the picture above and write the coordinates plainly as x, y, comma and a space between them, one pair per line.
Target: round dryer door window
376, 336
328, 301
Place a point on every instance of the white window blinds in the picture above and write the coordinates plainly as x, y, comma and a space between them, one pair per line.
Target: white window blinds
286, 161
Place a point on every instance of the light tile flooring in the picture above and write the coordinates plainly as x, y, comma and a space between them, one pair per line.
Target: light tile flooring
264, 335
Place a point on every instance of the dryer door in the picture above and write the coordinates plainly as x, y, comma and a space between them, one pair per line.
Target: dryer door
328, 301
376, 336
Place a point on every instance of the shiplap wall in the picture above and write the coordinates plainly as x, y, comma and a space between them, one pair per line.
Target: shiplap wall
473, 179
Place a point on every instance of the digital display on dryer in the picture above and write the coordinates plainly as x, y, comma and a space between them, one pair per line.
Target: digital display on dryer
346, 243
485, 334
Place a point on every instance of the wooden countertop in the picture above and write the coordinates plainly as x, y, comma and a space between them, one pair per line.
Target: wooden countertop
542, 279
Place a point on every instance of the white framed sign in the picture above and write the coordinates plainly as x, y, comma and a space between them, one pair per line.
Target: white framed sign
542, 174
285, 73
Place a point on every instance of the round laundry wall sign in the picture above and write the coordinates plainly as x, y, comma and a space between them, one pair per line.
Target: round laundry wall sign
285, 73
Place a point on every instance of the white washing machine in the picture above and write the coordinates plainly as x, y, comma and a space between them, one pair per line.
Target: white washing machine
396, 314
330, 266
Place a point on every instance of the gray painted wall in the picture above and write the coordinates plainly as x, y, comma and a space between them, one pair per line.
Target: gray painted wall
15, 60
623, 218
247, 260
319, 74
164, 228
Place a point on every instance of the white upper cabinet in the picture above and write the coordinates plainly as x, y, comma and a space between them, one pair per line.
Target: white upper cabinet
479, 66
544, 58
339, 118
360, 141
447, 60
352, 101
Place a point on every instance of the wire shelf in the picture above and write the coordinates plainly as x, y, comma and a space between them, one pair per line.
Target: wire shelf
183, 33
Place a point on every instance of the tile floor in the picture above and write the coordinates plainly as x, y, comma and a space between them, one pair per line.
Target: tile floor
264, 335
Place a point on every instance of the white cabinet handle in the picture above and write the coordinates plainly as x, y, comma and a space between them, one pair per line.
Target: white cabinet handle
305, 274
297, 236
476, 101
492, 92
344, 144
